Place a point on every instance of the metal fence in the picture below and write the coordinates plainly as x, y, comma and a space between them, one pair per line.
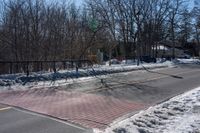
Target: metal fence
11, 67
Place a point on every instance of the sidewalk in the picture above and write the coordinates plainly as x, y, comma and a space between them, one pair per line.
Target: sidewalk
87, 110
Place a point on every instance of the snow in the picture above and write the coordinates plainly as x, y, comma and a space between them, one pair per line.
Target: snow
64, 77
188, 61
46, 79
180, 114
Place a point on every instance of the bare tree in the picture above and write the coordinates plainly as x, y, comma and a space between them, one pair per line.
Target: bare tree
173, 13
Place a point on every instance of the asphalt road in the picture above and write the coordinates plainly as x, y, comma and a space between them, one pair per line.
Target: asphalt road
150, 87
145, 86
13, 120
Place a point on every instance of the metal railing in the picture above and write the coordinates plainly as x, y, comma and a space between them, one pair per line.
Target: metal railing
11, 67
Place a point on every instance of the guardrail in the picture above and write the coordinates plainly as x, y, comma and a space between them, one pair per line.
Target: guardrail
10, 67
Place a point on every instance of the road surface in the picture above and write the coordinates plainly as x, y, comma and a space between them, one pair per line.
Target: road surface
14, 120
153, 86
145, 86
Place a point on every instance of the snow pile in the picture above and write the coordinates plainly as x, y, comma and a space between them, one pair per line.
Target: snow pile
180, 114
187, 61
12, 79
132, 66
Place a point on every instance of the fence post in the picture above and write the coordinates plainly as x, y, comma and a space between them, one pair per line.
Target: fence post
11, 67
38, 65
54, 66
64, 65
77, 65
27, 68
72, 65
41, 66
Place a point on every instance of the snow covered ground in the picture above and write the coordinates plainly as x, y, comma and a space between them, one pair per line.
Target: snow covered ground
180, 114
60, 77
63, 77
187, 61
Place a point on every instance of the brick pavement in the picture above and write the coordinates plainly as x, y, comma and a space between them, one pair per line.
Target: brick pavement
88, 110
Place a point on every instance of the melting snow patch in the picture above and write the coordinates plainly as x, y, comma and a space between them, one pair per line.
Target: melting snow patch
180, 114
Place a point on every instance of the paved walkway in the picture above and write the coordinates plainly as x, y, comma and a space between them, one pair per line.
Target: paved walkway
88, 110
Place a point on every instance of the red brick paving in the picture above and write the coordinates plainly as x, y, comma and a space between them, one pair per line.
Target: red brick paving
88, 110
